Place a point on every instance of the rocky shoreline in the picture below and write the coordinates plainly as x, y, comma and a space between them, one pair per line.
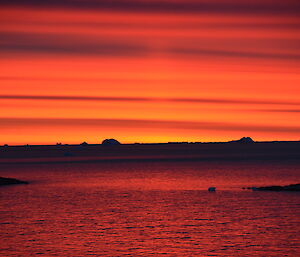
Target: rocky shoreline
292, 187
11, 181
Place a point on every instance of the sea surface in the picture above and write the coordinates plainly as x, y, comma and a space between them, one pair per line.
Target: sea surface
150, 208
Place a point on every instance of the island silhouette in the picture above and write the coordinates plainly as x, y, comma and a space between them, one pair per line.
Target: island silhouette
112, 150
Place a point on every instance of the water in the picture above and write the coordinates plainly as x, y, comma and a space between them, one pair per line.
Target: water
150, 209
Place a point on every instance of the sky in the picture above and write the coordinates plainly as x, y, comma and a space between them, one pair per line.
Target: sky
148, 70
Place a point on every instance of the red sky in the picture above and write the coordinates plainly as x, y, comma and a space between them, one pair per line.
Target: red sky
149, 71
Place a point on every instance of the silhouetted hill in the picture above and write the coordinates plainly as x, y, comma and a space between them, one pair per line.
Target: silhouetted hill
243, 140
110, 141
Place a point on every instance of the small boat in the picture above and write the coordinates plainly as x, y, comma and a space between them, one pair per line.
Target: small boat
211, 189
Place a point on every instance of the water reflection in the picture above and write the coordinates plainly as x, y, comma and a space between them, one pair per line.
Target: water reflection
142, 209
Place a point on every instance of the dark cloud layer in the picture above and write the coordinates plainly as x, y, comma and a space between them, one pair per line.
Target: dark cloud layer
140, 124
193, 25
201, 6
281, 110
163, 26
62, 44
236, 54
144, 99
233, 101
73, 98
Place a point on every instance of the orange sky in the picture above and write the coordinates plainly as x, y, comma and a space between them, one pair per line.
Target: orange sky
149, 71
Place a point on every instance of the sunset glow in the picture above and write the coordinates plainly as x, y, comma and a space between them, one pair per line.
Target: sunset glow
149, 71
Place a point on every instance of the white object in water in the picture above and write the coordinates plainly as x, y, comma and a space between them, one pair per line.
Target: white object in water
211, 189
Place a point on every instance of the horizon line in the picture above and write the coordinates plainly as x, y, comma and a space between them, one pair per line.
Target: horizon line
84, 143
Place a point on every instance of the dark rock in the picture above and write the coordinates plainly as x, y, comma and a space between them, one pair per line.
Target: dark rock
292, 187
11, 181
110, 141
245, 140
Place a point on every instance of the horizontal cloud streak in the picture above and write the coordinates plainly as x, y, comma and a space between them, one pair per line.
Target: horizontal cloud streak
148, 99
74, 98
200, 6
60, 44
280, 110
232, 101
161, 25
140, 124
235, 54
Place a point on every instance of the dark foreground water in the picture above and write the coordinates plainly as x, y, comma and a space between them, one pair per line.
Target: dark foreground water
150, 209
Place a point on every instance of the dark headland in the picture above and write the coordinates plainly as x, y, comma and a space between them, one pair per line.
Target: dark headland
10, 181
292, 187
111, 149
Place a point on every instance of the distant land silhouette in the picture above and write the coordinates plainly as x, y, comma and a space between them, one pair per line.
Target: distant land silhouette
112, 150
